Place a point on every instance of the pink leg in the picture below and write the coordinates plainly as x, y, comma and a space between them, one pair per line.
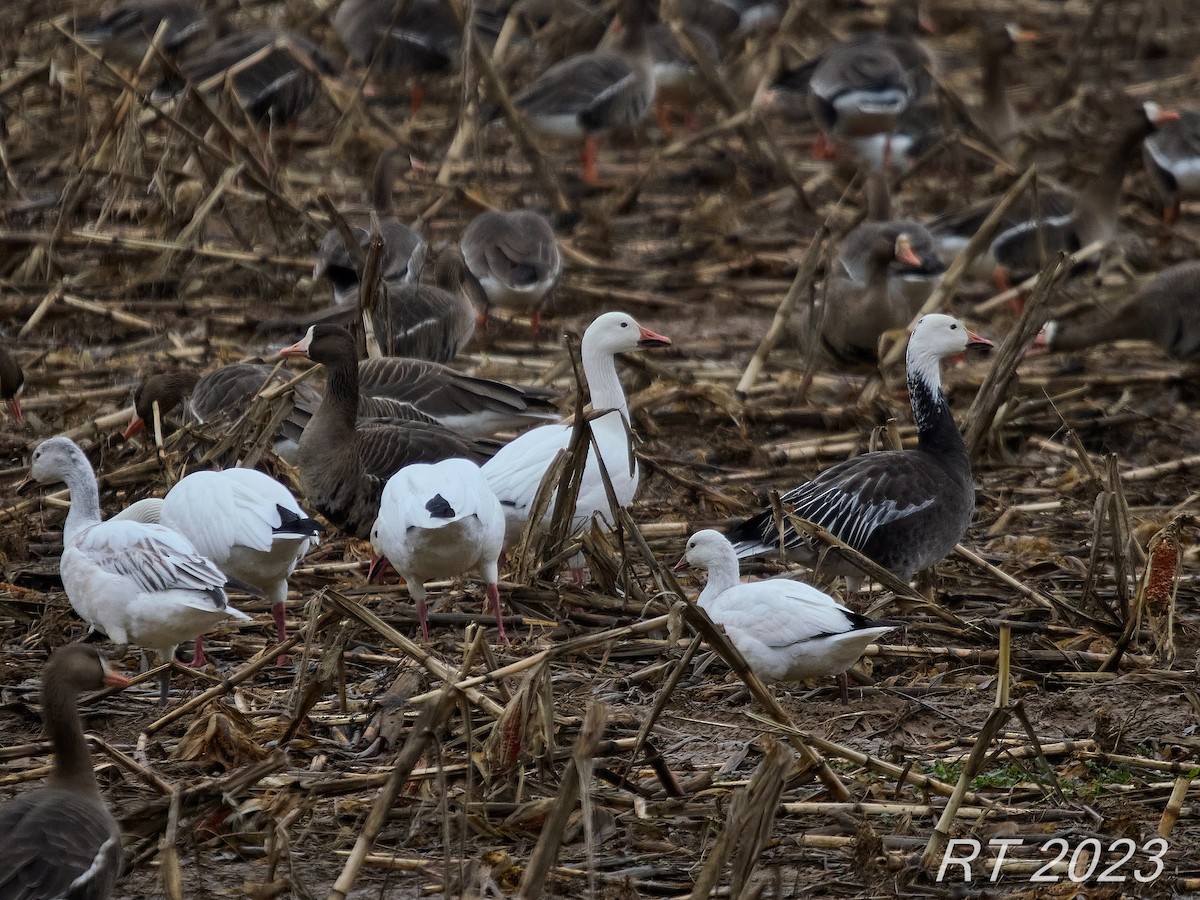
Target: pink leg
493, 592
587, 159
822, 148
417, 95
579, 574
537, 324
279, 614
424, 622
199, 660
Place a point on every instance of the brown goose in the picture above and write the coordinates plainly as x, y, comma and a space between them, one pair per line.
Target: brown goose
904, 509
12, 383
678, 84
421, 391
226, 391
124, 32
276, 73
344, 466
406, 38
1164, 311
403, 249
997, 116
514, 258
858, 90
1094, 214
61, 840
1172, 158
858, 310
587, 94
909, 283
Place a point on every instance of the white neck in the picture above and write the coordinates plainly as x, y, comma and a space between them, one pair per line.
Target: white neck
600, 370
723, 574
85, 496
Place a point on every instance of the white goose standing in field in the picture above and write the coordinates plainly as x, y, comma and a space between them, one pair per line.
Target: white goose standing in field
436, 521
904, 509
785, 630
516, 471
137, 583
243, 520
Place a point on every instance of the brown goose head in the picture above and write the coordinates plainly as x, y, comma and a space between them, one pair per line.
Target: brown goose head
12, 382
81, 667
324, 344
167, 390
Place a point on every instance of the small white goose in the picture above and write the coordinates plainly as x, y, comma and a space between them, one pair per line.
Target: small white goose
245, 521
137, 583
516, 471
785, 630
436, 521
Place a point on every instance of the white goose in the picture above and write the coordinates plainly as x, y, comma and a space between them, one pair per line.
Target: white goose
243, 520
516, 471
137, 583
785, 630
438, 520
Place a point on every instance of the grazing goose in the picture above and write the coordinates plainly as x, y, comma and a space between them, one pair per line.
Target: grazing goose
61, 840
514, 258
275, 73
438, 521
124, 33
344, 465
904, 509
516, 471
136, 583
1172, 158
12, 383
860, 305
244, 521
404, 38
785, 630
591, 93
1164, 311
1094, 213
227, 391
678, 84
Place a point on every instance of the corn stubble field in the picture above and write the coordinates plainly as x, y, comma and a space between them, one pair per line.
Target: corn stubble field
611, 754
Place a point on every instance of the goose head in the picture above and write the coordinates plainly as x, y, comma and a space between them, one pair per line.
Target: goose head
80, 667
618, 332
938, 336
167, 390
53, 458
705, 550
323, 344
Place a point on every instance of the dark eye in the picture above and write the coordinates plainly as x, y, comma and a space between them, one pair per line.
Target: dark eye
953, 327
624, 324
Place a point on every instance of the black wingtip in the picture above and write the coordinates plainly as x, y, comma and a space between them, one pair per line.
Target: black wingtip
440, 508
291, 523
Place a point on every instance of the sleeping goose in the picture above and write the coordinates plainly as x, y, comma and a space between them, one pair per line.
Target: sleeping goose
227, 391
440, 520
855, 313
124, 32
1094, 213
514, 258
591, 93
343, 464
785, 630
12, 383
136, 583
904, 509
244, 521
516, 471
1164, 311
1172, 159
61, 840
276, 74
